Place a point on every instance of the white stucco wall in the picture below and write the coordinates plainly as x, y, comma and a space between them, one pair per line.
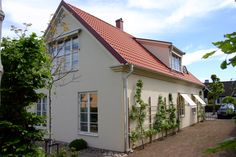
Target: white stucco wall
154, 87
94, 74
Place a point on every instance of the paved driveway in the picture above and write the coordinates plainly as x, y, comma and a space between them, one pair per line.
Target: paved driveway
192, 141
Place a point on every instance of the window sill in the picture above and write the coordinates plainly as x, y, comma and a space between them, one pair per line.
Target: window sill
88, 134
182, 116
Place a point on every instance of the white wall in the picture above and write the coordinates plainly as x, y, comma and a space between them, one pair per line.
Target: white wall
154, 87
94, 74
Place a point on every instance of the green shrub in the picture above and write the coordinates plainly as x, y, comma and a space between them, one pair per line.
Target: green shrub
78, 144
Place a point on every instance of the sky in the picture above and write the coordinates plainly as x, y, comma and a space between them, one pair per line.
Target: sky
191, 25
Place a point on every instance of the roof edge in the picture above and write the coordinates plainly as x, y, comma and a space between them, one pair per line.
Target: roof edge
94, 33
89, 28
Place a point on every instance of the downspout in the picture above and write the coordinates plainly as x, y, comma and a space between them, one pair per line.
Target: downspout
171, 49
126, 106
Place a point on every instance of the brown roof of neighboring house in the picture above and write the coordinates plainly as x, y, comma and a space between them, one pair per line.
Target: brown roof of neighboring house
124, 46
229, 87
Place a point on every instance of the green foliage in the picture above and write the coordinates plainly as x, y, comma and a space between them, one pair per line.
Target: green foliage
138, 111
229, 99
216, 89
134, 136
227, 144
78, 144
150, 132
205, 56
201, 114
228, 47
63, 152
171, 114
161, 121
26, 69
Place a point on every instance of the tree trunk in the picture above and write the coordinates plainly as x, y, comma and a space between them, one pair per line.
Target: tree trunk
214, 107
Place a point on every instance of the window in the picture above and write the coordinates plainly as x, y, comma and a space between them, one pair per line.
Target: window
176, 62
88, 112
65, 55
41, 109
181, 106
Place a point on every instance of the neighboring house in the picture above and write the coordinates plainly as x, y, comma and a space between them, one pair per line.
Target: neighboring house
105, 63
229, 87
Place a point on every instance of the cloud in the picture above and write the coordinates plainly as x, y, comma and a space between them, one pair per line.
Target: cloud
154, 4
196, 56
196, 8
141, 17
35, 12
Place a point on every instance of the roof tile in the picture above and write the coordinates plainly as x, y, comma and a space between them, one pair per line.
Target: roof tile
126, 47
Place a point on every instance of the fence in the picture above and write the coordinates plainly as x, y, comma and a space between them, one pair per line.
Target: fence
210, 116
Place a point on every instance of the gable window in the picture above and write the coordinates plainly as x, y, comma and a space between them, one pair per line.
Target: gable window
41, 108
88, 112
175, 62
65, 54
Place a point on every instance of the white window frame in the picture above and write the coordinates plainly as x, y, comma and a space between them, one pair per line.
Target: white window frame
41, 110
176, 62
89, 133
62, 54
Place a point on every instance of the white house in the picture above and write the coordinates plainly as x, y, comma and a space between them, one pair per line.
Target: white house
105, 62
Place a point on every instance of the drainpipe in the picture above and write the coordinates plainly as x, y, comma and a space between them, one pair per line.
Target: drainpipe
126, 106
171, 49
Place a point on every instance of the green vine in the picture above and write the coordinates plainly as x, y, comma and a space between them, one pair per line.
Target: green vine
172, 114
201, 114
161, 122
138, 114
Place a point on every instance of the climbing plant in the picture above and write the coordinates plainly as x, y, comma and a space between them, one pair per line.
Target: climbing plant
201, 114
172, 114
161, 123
138, 114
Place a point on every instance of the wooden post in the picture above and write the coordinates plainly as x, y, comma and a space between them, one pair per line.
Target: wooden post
178, 111
150, 116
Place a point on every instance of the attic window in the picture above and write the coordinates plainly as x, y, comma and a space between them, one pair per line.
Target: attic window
65, 55
175, 62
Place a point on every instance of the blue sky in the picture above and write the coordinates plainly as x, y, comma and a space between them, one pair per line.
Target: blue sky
192, 25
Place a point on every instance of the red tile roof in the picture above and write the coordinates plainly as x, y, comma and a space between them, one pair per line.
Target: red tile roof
123, 46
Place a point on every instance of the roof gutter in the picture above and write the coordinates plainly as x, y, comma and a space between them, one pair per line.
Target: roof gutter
126, 106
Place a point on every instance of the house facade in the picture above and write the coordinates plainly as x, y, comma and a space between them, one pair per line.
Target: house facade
102, 64
229, 90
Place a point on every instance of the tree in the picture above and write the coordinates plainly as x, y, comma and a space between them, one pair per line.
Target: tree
216, 89
161, 121
172, 114
138, 113
58, 72
228, 47
229, 99
27, 69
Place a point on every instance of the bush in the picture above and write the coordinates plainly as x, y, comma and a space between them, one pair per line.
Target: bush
78, 144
